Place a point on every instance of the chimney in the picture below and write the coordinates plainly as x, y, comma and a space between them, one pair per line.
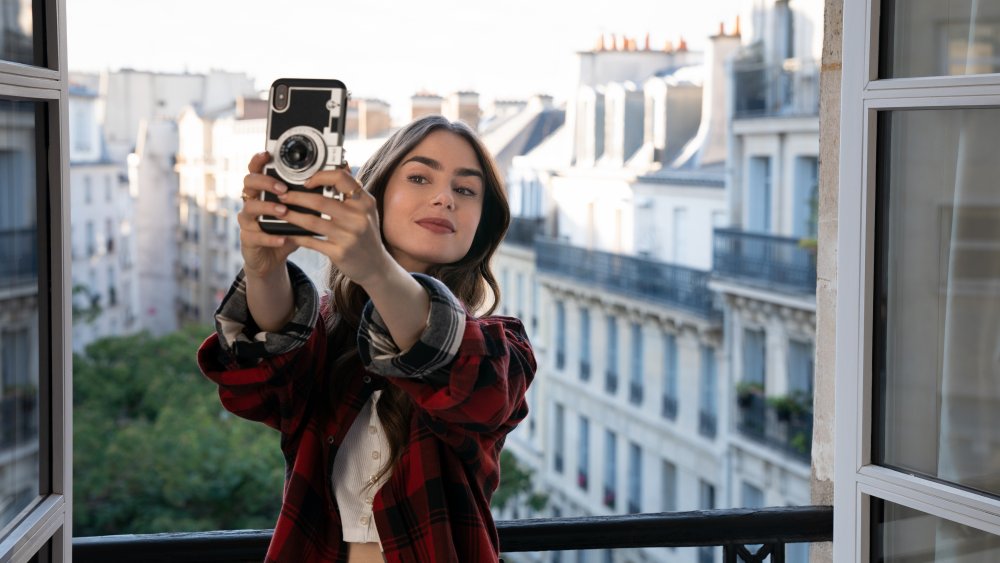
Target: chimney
373, 118
463, 106
710, 143
425, 103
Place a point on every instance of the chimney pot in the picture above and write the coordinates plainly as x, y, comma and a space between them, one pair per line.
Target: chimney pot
736, 32
722, 29
682, 45
646, 44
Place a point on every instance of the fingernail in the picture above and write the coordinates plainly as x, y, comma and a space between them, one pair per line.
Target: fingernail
282, 196
280, 209
281, 188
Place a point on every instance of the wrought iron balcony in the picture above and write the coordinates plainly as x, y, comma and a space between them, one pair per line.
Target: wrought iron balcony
772, 262
777, 426
18, 254
611, 382
789, 89
635, 392
584, 370
523, 230
733, 529
669, 409
669, 284
707, 424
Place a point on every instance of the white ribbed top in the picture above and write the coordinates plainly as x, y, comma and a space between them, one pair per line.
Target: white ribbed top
362, 454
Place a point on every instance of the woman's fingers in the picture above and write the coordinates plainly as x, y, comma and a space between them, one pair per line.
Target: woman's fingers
257, 162
261, 239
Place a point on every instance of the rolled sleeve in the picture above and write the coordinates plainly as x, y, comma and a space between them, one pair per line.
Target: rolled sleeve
240, 335
431, 355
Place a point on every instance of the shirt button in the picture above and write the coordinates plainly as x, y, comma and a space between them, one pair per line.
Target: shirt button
369, 500
329, 439
366, 379
374, 455
363, 520
371, 479
372, 429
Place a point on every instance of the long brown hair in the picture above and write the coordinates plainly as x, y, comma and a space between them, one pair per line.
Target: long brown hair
470, 278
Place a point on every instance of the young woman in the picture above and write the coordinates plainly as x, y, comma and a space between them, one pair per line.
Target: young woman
392, 397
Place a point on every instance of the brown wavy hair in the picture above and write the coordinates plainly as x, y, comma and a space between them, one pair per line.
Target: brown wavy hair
470, 278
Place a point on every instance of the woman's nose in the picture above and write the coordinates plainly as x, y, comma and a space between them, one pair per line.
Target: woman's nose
445, 198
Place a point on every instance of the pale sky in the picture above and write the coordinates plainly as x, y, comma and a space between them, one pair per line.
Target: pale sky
379, 48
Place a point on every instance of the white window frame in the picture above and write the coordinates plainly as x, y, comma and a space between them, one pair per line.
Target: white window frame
857, 480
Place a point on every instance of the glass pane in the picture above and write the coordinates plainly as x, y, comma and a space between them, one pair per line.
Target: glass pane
935, 38
18, 40
938, 342
902, 534
19, 312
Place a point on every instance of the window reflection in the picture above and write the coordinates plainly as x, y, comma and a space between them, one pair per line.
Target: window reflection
901, 534
940, 345
17, 37
934, 38
19, 397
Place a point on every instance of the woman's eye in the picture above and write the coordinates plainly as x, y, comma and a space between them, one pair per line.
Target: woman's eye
466, 191
417, 179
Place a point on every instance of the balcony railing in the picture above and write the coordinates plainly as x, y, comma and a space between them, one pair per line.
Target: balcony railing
523, 230
769, 261
669, 284
635, 392
707, 424
584, 370
611, 382
18, 254
736, 530
776, 427
669, 409
788, 89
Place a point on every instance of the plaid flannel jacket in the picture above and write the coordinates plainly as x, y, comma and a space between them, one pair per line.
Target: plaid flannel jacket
467, 376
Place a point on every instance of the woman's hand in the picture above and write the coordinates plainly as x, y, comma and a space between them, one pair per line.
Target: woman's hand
353, 237
263, 253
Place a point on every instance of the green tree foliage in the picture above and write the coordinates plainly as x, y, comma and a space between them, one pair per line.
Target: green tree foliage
515, 485
154, 451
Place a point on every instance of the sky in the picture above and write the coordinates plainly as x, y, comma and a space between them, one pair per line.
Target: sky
379, 48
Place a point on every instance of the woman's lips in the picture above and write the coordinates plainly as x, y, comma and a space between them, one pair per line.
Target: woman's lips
439, 226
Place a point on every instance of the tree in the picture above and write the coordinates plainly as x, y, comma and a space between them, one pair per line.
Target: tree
515, 484
154, 451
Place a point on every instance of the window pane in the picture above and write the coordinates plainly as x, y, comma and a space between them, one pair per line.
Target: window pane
19, 311
935, 38
19, 20
938, 338
902, 534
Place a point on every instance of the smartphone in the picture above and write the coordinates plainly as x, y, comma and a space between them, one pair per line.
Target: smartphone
305, 134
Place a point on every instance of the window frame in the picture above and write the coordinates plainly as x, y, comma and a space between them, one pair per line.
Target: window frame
863, 96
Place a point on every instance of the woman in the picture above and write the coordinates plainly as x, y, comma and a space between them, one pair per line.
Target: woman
392, 398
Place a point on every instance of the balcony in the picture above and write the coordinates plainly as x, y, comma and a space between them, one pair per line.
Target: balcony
523, 230
744, 534
667, 284
18, 254
789, 89
611, 382
584, 370
771, 262
669, 409
781, 423
635, 392
707, 424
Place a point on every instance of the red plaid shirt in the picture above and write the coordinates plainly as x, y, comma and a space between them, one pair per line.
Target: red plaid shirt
436, 504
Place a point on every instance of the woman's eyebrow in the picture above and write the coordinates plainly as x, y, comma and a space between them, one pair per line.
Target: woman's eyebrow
437, 166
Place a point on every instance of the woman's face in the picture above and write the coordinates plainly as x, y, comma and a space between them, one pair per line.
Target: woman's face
433, 202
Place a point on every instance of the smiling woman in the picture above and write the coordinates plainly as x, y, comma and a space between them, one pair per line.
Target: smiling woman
392, 396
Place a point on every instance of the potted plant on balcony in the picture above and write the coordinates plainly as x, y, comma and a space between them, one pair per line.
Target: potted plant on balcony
787, 407
746, 391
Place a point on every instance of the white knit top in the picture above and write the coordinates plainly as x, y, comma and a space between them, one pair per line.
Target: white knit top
361, 456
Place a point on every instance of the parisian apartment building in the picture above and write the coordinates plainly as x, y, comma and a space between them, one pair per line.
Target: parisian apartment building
662, 257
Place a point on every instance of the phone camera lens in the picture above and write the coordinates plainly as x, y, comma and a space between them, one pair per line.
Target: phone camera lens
298, 152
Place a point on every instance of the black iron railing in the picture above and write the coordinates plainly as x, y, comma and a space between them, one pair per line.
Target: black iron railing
669, 409
789, 89
523, 230
669, 284
18, 254
733, 529
765, 260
